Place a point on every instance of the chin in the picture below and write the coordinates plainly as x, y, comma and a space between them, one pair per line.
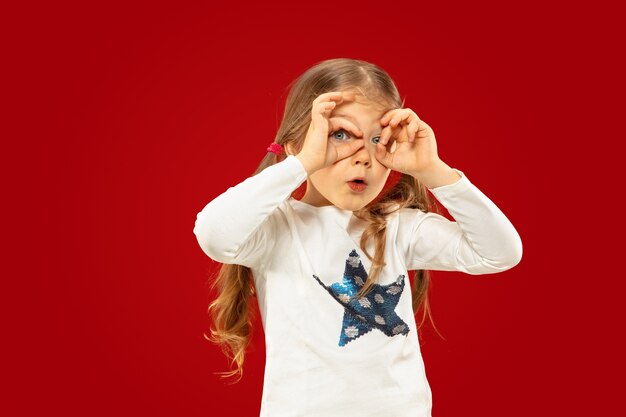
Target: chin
354, 206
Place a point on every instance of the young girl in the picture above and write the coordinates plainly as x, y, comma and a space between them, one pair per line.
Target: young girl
330, 270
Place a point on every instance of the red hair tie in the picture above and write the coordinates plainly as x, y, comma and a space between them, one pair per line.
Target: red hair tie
276, 148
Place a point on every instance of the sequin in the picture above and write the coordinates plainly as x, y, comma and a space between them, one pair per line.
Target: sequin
374, 311
394, 289
352, 331
398, 329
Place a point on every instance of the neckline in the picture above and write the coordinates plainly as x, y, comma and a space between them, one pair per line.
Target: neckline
319, 208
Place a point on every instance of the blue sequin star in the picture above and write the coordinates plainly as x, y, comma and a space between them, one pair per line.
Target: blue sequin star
375, 310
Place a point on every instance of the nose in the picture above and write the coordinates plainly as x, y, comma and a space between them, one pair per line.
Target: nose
362, 156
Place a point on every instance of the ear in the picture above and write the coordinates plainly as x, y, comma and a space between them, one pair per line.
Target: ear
288, 149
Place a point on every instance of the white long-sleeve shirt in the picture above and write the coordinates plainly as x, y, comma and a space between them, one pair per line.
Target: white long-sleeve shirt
327, 354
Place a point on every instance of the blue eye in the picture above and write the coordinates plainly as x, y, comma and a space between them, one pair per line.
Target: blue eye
374, 140
338, 131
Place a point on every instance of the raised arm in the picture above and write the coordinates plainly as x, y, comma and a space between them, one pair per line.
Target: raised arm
481, 240
236, 227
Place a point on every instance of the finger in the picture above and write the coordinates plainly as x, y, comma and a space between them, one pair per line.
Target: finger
412, 129
424, 127
404, 134
328, 101
321, 111
386, 135
385, 119
347, 149
347, 95
389, 146
383, 156
332, 95
335, 96
383, 136
399, 117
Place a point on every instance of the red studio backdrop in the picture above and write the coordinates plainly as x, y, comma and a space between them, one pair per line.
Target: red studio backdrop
132, 116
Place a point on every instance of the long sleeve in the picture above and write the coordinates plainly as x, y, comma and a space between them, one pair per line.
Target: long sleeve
481, 240
236, 226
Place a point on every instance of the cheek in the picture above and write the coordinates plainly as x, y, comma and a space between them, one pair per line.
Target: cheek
382, 175
321, 179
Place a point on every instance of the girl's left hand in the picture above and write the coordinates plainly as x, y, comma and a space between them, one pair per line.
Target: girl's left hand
415, 145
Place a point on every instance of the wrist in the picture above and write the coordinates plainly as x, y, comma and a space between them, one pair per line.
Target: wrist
437, 175
306, 164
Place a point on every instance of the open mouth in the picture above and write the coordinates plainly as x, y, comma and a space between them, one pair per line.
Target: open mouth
357, 184
359, 181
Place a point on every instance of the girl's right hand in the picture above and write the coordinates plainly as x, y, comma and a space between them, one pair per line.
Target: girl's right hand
318, 151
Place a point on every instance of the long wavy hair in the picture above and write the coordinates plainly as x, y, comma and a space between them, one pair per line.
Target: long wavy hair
230, 311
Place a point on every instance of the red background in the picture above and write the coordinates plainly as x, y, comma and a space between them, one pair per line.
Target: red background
124, 120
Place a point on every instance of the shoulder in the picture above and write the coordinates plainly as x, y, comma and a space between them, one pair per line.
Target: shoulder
405, 216
411, 221
402, 221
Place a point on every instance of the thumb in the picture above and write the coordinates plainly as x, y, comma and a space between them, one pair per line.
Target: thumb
383, 156
348, 149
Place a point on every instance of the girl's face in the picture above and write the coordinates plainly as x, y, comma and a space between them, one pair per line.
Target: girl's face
332, 185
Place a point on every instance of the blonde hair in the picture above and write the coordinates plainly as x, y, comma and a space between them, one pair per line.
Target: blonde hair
230, 311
